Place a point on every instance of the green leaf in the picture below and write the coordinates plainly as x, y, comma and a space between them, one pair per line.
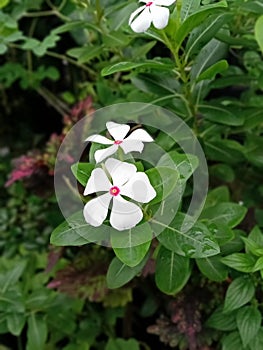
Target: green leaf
194, 20
185, 164
4, 3
172, 271
189, 7
75, 232
36, 332
227, 151
235, 244
86, 53
122, 344
259, 264
240, 262
259, 32
257, 236
201, 35
16, 323
216, 196
231, 214
163, 180
211, 72
82, 172
257, 342
131, 246
213, 268
232, 341
239, 293
133, 255
198, 242
12, 301
248, 323
220, 114
13, 275
253, 247
127, 66
119, 274
222, 321
223, 172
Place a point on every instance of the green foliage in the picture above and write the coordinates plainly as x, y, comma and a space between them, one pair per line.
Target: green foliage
205, 67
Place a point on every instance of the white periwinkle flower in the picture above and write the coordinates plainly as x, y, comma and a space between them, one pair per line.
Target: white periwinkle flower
134, 142
126, 181
151, 12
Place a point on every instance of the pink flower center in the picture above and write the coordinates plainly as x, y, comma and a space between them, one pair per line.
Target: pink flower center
149, 3
118, 142
114, 191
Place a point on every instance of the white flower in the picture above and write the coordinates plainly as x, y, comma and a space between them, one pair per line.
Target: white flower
151, 12
126, 181
134, 142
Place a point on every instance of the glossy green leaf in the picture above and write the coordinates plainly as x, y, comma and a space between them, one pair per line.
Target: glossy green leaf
211, 72
216, 196
231, 214
213, 268
220, 114
82, 172
259, 32
240, 262
185, 164
133, 255
201, 35
172, 271
227, 151
119, 274
189, 7
163, 180
127, 66
36, 332
198, 242
248, 323
222, 321
75, 231
239, 293
194, 20
131, 246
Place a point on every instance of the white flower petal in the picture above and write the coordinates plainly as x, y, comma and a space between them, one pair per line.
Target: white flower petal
140, 134
120, 172
101, 154
96, 210
97, 182
124, 214
117, 131
135, 13
100, 139
164, 2
139, 188
142, 22
160, 16
131, 146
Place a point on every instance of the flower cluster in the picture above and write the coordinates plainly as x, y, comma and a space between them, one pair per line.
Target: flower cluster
152, 12
117, 179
